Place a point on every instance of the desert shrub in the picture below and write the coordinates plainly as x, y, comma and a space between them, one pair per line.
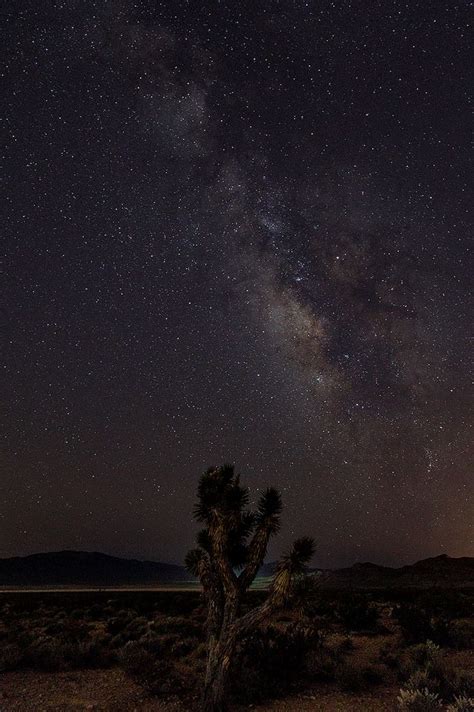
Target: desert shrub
23, 639
450, 679
425, 654
134, 658
270, 662
418, 625
52, 654
77, 613
184, 627
199, 652
461, 704
346, 646
11, 657
390, 657
165, 642
49, 654
53, 628
157, 676
464, 682
416, 666
74, 630
357, 613
415, 624
440, 630
448, 603
427, 667
183, 647
151, 642
461, 634
115, 625
92, 654
95, 612
421, 680
118, 641
134, 629
418, 701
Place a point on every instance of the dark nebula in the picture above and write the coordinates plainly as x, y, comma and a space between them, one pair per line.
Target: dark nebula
236, 231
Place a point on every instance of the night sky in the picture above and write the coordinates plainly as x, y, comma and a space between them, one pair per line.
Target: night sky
236, 231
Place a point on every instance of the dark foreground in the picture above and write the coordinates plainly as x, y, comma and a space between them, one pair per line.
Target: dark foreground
132, 650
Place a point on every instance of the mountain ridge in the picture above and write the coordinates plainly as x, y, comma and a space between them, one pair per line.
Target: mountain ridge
441, 570
70, 567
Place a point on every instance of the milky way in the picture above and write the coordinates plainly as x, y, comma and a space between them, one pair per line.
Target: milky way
237, 232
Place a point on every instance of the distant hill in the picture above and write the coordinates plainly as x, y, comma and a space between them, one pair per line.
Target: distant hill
441, 570
82, 568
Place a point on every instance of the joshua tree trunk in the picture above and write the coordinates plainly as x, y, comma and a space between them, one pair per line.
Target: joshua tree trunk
220, 654
234, 628
217, 675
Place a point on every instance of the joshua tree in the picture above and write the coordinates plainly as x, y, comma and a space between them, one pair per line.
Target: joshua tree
232, 547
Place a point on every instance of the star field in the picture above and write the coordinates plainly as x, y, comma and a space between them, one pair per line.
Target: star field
237, 231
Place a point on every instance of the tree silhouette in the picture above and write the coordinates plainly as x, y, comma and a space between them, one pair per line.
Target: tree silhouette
231, 549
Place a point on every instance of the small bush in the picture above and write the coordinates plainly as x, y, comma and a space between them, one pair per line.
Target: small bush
53, 654
418, 625
461, 704
461, 634
134, 658
157, 677
421, 680
96, 612
415, 624
464, 682
451, 680
356, 613
117, 624
11, 657
183, 647
425, 654
270, 662
418, 701
346, 646
389, 657
182, 627
77, 614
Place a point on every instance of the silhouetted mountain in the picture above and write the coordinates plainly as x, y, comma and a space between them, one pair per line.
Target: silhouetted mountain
79, 568
437, 571
82, 568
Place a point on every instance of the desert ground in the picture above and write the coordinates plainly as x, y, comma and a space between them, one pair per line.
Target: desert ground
128, 650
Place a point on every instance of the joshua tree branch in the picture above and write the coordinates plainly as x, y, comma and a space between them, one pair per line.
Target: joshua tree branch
256, 554
277, 597
219, 540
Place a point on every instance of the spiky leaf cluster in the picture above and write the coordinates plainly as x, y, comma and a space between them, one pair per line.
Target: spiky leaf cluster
269, 510
220, 493
223, 501
297, 559
193, 561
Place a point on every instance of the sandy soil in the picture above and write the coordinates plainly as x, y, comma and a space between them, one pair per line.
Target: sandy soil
98, 690
112, 691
